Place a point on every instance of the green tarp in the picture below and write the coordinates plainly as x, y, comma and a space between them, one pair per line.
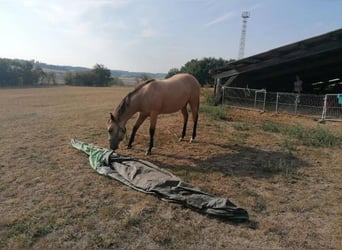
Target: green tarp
146, 177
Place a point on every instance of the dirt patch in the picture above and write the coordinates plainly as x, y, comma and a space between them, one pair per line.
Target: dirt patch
50, 197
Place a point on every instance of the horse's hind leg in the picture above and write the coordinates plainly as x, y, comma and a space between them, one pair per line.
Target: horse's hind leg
142, 117
195, 118
185, 122
194, 112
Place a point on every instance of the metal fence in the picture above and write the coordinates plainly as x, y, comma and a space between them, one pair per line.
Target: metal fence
244, 98
326, 107
332, 109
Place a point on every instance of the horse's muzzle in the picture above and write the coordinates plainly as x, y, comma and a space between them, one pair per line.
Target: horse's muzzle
113, 144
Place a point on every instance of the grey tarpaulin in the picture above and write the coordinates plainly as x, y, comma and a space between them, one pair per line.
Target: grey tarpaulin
146, 177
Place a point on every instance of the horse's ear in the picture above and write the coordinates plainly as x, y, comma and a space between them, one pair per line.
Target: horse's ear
112, 117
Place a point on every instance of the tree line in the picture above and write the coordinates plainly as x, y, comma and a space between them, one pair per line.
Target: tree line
21, 73
98, 76
200, 69
16, 72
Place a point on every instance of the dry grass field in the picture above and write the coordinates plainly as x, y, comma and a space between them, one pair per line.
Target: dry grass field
284, 170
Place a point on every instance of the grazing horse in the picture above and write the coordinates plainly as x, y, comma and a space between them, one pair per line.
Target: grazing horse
151, 98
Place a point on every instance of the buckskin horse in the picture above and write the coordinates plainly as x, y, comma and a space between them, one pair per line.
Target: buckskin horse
151, 98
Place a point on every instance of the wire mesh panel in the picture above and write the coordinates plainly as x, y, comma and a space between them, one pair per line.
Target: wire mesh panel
286, 103
271, 101
260, 99
311, 105
333, 107
303, 104
325, 106
244, 98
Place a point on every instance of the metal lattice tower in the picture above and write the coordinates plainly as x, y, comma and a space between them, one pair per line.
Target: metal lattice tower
245, 15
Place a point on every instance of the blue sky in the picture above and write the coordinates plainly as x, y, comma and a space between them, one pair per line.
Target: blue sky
155, 35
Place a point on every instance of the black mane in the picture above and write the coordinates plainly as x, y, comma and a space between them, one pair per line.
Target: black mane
125, 102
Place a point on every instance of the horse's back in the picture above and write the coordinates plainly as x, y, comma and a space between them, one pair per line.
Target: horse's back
183, 79
181, 85
172, 94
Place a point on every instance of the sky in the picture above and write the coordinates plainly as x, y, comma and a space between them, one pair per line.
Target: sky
155, 35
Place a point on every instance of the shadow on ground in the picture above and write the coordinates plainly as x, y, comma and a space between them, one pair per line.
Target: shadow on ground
239, 161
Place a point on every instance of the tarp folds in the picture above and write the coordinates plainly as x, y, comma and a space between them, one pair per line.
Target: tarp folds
146, 177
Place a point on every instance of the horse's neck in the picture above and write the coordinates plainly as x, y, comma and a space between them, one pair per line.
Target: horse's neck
128, 113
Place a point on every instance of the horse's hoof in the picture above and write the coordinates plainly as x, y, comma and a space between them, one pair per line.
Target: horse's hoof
129, 146
148, 152
180, 139
191, 140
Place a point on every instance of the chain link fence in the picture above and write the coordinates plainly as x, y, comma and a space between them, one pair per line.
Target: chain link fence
326, 107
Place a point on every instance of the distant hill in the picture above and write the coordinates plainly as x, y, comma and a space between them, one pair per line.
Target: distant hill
60, 68
115, 73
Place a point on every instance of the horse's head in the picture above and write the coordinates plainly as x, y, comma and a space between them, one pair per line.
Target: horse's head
116, 132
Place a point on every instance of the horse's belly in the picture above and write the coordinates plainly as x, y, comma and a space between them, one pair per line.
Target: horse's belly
168, 110
173, 103
165, 108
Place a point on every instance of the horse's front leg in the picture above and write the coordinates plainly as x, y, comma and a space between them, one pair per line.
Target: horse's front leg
150, 146
142, 117
153, 122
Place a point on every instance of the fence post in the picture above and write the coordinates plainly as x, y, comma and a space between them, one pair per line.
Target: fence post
324, 112
223, 95
263, 107
296, 103
277, 102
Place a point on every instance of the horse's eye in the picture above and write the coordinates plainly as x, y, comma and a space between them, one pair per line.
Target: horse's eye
110, 130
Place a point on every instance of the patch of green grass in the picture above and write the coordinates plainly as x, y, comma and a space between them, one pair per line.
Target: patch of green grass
20, 227
240, 138
208, 108
317, 137
209, 98
270, 127
289, 145
241, 126
284, 167
2, 185
26, 233
275, 168
295, 131
215, 112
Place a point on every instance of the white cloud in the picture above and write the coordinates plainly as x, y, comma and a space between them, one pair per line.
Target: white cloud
64, 14
148, 33
221, 19
145, 29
